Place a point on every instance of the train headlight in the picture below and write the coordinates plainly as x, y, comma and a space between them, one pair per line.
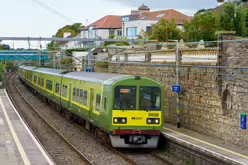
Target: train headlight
153, 121
156, 121
120, 120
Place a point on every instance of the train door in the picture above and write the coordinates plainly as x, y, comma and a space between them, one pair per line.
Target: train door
91, 102
70, 95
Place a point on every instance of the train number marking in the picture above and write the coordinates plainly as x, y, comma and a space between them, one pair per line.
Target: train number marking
153, 114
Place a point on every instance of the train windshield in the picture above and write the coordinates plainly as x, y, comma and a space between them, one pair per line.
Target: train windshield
150, 98
125, 98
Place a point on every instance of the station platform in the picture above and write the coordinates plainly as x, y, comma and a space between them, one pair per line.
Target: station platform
18, 146
230, 153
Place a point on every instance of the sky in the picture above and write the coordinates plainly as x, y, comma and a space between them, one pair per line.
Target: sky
27, 18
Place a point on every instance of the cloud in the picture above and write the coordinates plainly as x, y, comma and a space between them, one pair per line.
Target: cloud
189, 5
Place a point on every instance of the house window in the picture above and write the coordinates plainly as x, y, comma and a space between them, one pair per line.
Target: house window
111, 33
148, 28
124, 19
132, 32
119, 32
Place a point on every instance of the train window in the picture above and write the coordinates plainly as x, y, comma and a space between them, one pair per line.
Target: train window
85, 100
74, 94
39, 82
150, 98
105, 103
66, 91
125, 98
49, 85
31, 77
98, 102
77, 95
81, 96
57, 90
35, 79
42, 82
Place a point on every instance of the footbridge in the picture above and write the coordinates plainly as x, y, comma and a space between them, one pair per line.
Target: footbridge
16, 55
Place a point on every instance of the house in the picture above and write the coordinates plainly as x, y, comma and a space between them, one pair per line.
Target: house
63, 45
130, 26
104, 28
143, 19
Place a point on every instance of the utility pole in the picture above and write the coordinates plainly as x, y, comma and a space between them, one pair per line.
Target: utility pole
178, 84
177, 88
90, 57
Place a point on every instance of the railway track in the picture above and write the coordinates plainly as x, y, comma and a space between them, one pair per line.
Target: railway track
112, 152
129, 157
59, 148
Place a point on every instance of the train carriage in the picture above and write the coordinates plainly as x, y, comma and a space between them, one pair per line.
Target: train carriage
128, 109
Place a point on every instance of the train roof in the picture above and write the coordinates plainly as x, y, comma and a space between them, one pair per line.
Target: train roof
28, 67
99, 78
56, 72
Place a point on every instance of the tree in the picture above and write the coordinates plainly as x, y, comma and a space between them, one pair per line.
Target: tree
73, 29
233, 18
4, 47
203, 26
240, 21
165, 30
227, 17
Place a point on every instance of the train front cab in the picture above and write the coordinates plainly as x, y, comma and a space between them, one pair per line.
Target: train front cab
137, 115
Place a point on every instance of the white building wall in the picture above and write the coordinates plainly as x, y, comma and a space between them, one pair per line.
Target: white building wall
140, 24
84, 34
103, 33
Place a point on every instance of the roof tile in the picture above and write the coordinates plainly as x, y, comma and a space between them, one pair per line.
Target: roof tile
168, 15
107, 22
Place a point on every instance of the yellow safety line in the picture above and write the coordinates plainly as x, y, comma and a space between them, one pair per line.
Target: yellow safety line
17, 141
235, 153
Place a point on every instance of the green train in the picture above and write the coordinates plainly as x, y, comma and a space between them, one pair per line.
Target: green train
126, 111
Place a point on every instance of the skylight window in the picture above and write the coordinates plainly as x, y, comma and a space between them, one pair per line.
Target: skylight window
143, 18
160, 15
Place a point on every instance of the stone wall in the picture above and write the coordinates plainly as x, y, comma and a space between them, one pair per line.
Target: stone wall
207, 106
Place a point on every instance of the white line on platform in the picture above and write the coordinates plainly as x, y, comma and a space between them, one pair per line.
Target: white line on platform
17, 141
1, 121
29, 132
234, 160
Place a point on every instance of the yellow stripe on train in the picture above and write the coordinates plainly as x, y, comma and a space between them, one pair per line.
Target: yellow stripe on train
136, 117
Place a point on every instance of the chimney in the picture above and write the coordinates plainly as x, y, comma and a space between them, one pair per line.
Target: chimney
66, 34
135, 12
143, 9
